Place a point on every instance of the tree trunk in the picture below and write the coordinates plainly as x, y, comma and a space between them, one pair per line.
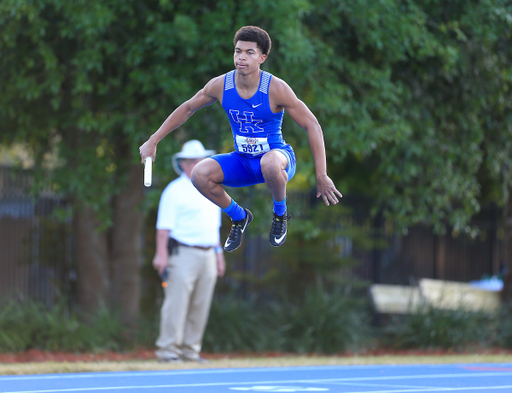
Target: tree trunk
126, 251
92, 266
507, 251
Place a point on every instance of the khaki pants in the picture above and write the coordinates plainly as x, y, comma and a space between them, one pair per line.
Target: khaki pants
186, 306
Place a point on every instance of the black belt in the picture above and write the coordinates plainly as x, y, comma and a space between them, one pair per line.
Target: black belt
198, 247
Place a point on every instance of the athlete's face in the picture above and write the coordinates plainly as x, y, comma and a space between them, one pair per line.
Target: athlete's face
248, 57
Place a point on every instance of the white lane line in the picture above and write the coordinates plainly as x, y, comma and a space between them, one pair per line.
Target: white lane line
380, 385
433, 390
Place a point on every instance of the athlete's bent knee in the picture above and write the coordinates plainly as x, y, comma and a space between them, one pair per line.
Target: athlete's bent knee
205, 172
273, 164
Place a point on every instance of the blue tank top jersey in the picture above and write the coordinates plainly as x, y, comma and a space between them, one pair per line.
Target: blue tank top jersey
256, 129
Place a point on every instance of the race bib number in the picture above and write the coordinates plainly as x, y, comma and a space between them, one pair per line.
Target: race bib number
254, 146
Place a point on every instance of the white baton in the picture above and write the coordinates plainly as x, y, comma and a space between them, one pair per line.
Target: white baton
147, 171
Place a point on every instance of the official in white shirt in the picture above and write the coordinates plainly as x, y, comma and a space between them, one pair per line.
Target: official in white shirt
191, 223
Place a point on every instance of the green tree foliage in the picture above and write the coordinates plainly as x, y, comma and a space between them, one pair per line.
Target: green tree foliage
96, 78
436, 172
414, 97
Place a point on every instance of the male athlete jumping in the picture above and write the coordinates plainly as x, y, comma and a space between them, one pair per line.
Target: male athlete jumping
255, 102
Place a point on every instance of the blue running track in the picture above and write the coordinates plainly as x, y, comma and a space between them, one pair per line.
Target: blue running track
461, 378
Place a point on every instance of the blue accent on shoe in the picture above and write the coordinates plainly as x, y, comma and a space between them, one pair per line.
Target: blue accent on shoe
235, 211
280, 207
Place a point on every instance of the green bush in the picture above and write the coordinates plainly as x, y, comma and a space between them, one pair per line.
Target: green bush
325, 323
237, 325
503, 324
29, 324
432, 328
321, 323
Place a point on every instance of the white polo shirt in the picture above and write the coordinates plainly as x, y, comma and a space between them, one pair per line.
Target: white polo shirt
190, 217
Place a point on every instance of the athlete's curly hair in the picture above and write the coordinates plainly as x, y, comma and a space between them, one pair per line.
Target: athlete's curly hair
254, 34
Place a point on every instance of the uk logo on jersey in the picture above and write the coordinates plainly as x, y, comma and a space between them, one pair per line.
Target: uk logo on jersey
247, 122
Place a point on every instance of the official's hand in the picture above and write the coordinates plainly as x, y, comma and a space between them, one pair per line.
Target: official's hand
160, 263
148, 149
221, 264
327, 190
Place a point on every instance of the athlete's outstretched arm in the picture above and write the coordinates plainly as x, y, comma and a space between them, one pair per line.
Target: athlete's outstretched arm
283, 95
208, 95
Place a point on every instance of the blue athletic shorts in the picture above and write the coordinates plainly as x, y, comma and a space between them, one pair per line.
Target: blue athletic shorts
242, 170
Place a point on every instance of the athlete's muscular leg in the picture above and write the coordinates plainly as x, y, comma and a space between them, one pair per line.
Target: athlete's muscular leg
207, 177
273, 167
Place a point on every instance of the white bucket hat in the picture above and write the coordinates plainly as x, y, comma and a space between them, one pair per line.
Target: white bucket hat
190, 149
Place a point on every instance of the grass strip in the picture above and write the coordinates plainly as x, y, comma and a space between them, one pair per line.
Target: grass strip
285, 361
